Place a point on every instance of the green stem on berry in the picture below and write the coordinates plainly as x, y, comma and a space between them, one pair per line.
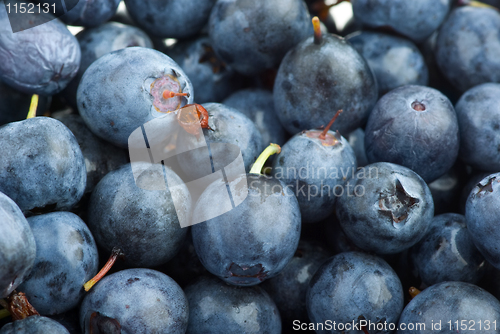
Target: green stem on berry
318, 37
33, 106
322, 136
4, 313
111, 261
261, 160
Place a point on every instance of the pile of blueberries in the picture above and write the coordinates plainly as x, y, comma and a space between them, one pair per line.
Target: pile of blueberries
375, 209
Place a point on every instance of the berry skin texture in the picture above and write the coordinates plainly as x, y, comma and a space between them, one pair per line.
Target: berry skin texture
89, 13
466, 47
253, 35
41, 165
478, 113
216, 307
17, 246
315, 79
450, 303
212, 80
139, 300
66, 258
34, 325
385, 208
482, 211
416, 127
129, 93
352, 286
416, 20
289, 288
143, 224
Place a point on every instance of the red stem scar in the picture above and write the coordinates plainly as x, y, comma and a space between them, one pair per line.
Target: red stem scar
322, 136
167, 94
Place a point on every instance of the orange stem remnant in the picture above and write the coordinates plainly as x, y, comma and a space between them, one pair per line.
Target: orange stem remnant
111, 261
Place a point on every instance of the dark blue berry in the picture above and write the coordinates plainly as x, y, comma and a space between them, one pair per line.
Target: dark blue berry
42, 164
385, 208
135, 301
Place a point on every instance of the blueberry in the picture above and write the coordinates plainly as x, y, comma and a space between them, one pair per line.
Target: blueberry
89, 13
416, 127
253, 241
135, 301
185, 267
472, 181
34, 325
253, 35
357, 141
212, 79
216, 307
100, 156
130, 92
40, 60
416, 19
354, 286
385, 208
465, 44
336, 238
96, 42
478, 114
289, 288
17, 246
42, 164
174, 18
315, 78
70, 320
394, 60
446, 190
451, 307
228, 126
447, 253
66, 258
315, 169
142, 223
481, 211
257, 104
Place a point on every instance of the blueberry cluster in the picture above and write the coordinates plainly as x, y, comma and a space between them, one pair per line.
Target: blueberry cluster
249, 166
